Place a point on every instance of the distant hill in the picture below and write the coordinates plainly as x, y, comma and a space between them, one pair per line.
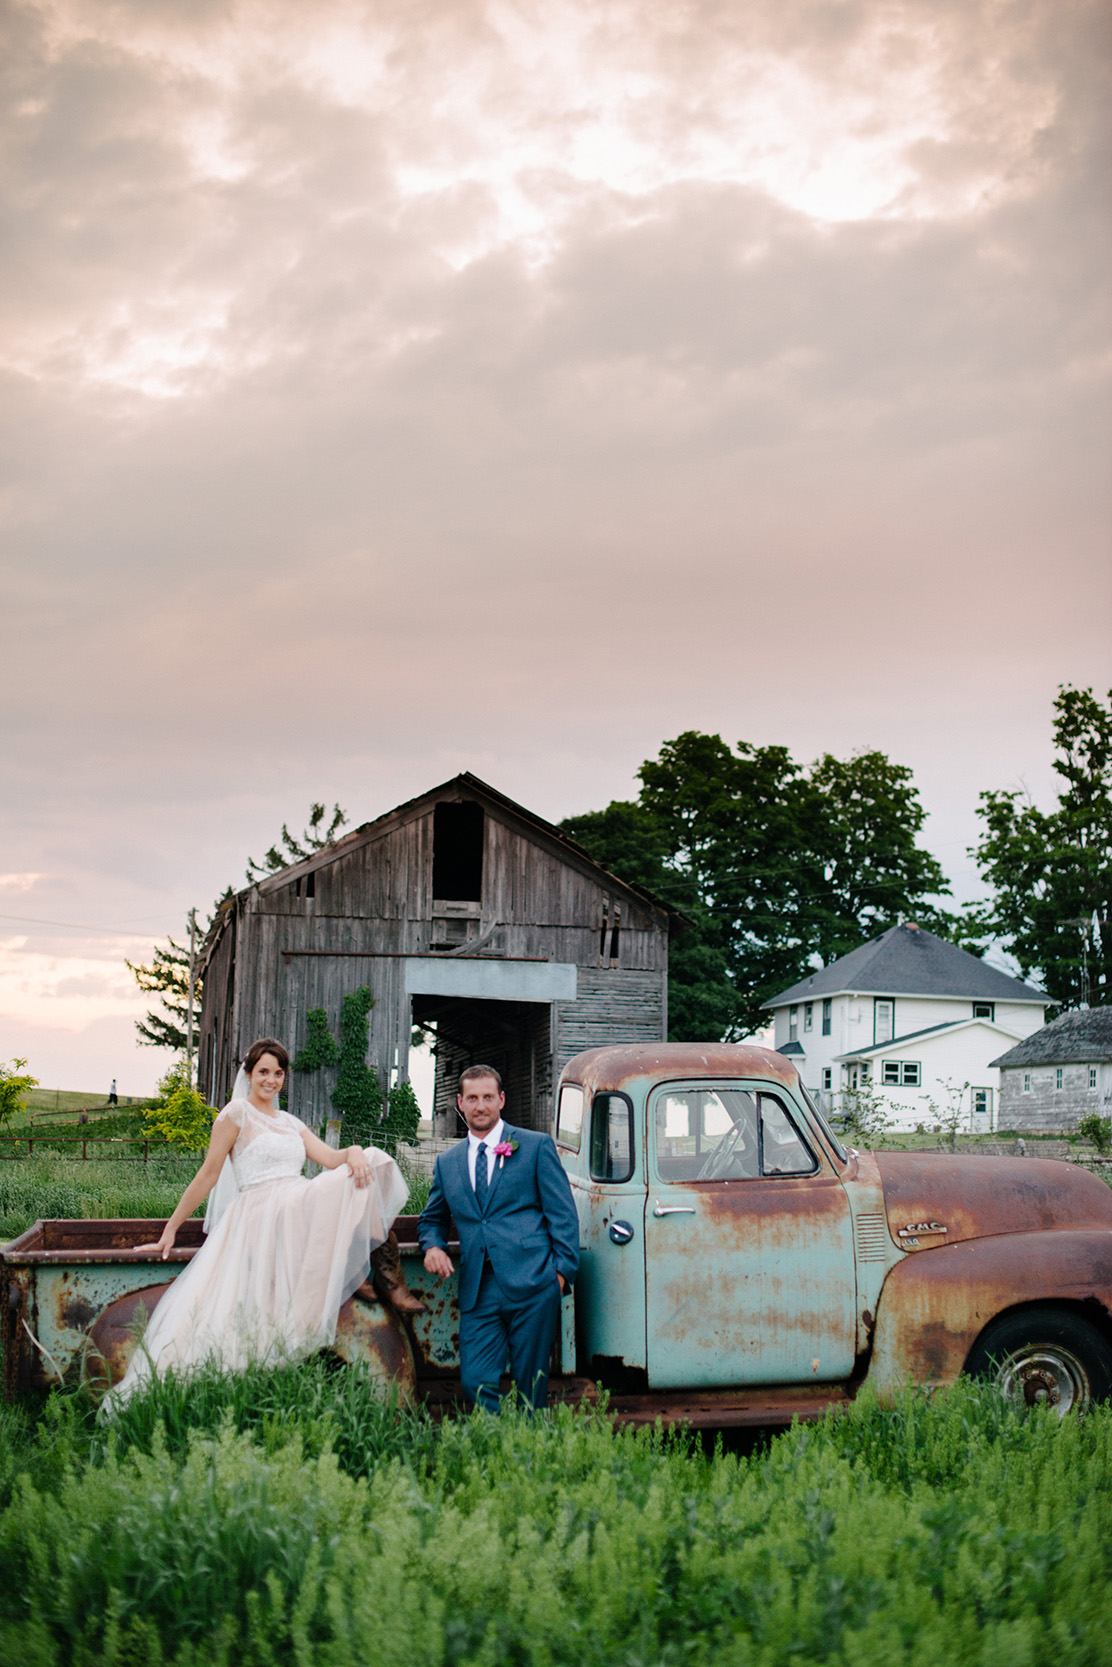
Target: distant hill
69, 1099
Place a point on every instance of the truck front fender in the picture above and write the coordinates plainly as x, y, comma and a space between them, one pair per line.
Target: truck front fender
935, 1303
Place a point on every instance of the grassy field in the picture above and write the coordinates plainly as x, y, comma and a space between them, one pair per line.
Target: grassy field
292, 1517
67, 1099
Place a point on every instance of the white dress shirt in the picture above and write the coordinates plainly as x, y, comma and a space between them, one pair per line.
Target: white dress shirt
474, 1141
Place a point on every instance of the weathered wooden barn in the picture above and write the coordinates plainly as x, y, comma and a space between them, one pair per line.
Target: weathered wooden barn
467, 916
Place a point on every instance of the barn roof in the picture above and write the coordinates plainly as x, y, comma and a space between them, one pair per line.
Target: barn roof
907, 960
1084, 1037
464, 785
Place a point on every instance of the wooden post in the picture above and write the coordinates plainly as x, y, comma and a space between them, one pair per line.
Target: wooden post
189, 996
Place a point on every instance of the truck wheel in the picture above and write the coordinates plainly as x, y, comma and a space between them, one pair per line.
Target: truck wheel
1044, 1356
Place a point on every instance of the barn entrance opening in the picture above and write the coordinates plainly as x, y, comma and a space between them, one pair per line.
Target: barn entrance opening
513, 1036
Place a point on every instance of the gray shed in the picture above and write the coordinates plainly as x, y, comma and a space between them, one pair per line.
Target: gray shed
1059, 1073
465, 914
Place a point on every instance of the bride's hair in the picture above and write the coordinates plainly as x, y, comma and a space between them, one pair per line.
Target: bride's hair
266, 1045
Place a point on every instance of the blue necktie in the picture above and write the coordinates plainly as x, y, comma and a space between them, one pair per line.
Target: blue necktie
481, 1178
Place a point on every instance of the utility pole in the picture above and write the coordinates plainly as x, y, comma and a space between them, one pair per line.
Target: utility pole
189, 996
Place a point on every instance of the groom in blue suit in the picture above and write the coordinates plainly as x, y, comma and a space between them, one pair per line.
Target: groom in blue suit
506, 1190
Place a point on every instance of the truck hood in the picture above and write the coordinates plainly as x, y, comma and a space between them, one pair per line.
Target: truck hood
932, 1198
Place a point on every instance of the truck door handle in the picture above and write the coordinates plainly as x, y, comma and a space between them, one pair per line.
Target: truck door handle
673, 1210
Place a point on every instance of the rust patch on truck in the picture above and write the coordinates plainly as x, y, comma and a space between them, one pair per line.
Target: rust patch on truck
616, 1067
935, 1304
113, 1333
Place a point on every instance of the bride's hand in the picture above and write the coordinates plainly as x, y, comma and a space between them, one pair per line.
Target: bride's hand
164, 1245
359, 1164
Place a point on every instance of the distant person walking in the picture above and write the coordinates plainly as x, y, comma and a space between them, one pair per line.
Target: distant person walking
113, 1097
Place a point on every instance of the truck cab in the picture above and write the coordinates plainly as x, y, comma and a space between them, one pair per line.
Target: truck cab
731, 1246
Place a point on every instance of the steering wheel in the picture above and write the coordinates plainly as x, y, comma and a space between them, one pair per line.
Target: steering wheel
717, 1159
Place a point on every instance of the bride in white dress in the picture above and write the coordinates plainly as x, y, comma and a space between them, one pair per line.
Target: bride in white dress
282, 1252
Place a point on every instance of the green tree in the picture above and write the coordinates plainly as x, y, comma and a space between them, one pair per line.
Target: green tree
778, 867
1051, 871
288, 850
15, 1086
167, 974
167, 977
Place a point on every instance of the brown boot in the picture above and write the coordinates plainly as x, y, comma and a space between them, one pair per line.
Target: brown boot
389, 1280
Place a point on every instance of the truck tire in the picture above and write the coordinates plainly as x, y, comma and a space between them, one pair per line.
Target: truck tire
1044, 1356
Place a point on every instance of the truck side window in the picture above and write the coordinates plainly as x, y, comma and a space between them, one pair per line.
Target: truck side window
569, 1116
707, 1134
611, 1138
783, 1149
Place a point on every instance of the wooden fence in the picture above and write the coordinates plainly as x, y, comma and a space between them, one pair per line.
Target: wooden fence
11, 1147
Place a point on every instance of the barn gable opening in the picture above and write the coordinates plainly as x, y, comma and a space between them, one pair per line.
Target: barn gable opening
457, 852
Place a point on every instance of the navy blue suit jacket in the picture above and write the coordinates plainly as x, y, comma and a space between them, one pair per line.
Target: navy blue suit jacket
529, 1229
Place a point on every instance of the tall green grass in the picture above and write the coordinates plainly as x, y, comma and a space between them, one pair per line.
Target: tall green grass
52, 1188
291, 1517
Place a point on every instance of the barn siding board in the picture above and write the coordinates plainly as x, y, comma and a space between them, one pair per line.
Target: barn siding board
613, 1005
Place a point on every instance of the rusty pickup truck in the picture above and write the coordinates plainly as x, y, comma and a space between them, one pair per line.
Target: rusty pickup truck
739, 1265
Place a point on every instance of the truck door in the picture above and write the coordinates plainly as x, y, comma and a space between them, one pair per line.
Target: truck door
749, 1265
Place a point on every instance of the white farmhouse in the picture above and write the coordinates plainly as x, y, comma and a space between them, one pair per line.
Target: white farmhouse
910, 1014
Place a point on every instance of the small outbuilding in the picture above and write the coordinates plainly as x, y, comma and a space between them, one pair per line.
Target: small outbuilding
467, 916
1051, 1079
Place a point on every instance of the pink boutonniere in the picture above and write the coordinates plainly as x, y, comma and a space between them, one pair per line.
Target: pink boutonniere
505, 1149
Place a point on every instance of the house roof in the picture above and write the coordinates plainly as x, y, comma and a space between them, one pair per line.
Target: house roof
916, 1035
1084, 1037
466, 785
907, 960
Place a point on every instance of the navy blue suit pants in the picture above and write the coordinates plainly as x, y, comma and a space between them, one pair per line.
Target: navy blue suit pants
497, 1330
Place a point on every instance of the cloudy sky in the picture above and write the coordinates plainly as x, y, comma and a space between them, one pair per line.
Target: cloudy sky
390, 389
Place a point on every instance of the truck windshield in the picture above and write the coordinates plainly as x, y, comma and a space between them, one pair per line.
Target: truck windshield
831, 1138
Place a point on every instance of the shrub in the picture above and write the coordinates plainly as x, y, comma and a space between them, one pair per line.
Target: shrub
15, 1086
180, 1115
1096, 1130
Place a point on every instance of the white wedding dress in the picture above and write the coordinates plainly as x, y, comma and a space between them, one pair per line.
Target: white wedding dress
268, 1283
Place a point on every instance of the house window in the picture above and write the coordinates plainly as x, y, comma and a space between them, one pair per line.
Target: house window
793, 1023
901, 1073
1058, 1077
827, 1078
884, 1021
808, 1014
865, 1069
1092, 1076
984, 1010
1027, 1082
826, 1011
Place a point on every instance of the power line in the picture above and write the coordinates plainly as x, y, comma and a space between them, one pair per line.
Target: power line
74, 926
